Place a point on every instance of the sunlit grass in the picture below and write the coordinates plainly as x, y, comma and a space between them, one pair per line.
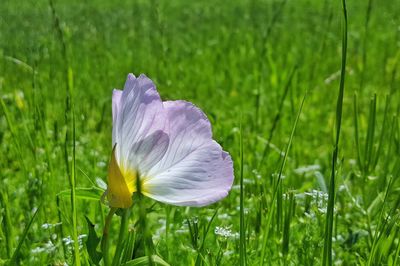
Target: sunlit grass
248, 65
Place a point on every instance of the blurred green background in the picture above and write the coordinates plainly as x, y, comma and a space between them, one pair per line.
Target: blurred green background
245, 63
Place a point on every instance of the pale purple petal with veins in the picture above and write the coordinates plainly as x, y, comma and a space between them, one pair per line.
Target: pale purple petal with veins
194, 171
139, 124
116, 107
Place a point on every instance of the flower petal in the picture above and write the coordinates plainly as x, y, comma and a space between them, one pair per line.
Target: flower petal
116, 107
138, 119
194, 171
116, 104
146, 152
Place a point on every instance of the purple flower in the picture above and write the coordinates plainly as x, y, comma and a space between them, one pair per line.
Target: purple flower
164, 150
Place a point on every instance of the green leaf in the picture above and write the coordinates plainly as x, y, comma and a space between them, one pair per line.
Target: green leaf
145, 261
92, 193
92, 242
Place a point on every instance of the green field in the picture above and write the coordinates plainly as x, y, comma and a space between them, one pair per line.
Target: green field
248, 65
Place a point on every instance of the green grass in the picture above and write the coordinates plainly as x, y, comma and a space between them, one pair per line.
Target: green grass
330, 209
248, 65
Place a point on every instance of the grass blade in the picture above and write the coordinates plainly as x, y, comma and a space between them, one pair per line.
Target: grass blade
327, 254
242, 244
13, 260
383, 132
290, 208
6, 223
73, 196
356, 133
275, 191
369, 142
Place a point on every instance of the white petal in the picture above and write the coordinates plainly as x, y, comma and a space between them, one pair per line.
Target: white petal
139, 124
194, 171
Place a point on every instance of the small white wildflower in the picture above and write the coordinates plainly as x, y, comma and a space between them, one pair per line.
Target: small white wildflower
223, 216
94, 153
183, 229
320, 198
68, 240
100, 182
257, 174
353, 162
235, 187
160, 230
101, 164
222, 231
306, 169
228, 253
47, 247
37, 250
332, 77
225, 232
276, 175
316, 194
246, 210
40, 150
49, 225
310, 214
248, 181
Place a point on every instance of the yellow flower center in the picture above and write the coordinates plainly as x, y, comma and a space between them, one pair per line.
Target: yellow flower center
122, 183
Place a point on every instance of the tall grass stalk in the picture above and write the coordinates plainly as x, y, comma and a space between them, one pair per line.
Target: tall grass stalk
267, 226
383, 132
327, 253
360, 161
242, 244
369, 141
290, 208
365, 42
73, 195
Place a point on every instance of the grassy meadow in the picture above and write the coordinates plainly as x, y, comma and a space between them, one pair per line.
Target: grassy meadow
268, 74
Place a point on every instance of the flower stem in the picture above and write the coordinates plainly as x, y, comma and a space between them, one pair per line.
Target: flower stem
143, 227
105, 238
122, 232
142, 222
